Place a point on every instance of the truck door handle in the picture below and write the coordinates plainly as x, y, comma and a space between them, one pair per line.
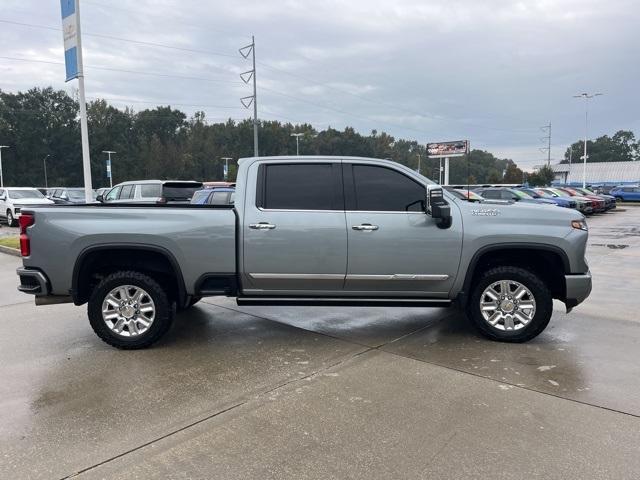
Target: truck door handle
367, 227
262, 226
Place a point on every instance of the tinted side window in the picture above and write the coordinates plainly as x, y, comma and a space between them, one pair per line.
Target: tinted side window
380, 189
150, 191
300, 187
219, 198
507, 195
492, 194
127, 192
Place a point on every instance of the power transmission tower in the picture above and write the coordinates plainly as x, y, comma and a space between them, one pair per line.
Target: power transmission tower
251, 99
547, 140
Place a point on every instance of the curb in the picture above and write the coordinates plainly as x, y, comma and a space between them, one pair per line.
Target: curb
10, 251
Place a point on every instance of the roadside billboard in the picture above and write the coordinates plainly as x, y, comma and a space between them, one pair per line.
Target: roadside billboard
448, 149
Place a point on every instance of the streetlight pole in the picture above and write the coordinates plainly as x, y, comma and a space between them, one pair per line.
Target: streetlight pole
226, 167
109, 171
44, 163
1, 177
419, 162
586, 97
297, 135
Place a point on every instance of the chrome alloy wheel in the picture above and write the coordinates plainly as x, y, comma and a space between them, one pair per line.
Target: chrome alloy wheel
128, 311
507, 305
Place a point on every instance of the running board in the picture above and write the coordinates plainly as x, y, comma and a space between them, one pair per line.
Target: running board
343, 302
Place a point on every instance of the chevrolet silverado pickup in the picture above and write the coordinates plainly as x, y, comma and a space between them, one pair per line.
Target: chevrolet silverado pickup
308, 231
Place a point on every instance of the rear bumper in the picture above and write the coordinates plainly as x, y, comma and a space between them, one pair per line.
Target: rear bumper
578, 288
33, 282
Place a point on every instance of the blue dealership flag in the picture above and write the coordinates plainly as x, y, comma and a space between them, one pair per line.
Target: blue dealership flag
70, 35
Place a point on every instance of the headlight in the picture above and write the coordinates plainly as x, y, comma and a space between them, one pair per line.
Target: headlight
580, 224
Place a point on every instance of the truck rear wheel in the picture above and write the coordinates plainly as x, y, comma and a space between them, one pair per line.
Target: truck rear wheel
129, 310
510, 304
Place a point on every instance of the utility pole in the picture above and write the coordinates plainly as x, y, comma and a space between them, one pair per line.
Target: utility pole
419, 162
109, 170
586, 97
225, 174
547, 139
251, 99
44, 162
1, 177
297, 135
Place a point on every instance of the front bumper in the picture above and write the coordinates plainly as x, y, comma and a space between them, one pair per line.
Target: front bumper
578, 288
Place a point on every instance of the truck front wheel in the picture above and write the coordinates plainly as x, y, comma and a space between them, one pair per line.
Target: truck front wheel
510, 304
129, 310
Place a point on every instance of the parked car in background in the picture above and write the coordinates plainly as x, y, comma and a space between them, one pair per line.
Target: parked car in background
101, 191
609, 200
600, 205
67, 196
13, 199
152, 191
464, 194
560, 201
214, 196
512, 194
585, 206
626, 194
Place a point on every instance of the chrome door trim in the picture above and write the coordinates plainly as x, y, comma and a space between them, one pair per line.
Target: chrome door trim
297, 276
399, 276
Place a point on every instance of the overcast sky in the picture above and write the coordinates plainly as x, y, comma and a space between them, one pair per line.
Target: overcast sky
492, 71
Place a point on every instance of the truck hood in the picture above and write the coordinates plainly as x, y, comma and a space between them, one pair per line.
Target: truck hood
516, 214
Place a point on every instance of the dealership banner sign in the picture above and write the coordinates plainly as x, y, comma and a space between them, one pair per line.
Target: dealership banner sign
70, 33
448, 149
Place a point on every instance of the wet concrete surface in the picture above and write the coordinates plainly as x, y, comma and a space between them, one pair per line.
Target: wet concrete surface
257, 392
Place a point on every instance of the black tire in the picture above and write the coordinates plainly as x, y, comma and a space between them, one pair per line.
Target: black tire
164, 311
11, 222
539, 291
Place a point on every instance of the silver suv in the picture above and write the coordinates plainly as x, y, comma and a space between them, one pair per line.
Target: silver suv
151, 191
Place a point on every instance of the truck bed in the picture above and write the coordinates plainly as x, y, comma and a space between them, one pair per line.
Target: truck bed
199, 238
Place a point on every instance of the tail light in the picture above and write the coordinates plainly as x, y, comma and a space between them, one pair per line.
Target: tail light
25, 220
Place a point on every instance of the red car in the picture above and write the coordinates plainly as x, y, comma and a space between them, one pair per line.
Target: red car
599, 205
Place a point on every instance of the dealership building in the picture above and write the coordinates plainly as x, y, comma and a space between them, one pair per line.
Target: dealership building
598, 173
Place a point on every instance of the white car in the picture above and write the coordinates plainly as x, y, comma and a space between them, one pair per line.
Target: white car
13, 199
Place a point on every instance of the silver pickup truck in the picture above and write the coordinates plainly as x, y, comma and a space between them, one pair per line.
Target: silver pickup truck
309, 231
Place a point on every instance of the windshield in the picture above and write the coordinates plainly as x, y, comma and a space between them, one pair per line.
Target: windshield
543, 194
16, 194
521, 194
561, 193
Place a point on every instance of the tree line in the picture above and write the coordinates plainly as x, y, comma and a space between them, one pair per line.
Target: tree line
164, 143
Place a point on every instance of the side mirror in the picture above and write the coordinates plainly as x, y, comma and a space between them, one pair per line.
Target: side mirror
100, 198
438, 207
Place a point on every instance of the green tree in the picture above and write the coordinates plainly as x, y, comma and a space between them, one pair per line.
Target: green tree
541, 178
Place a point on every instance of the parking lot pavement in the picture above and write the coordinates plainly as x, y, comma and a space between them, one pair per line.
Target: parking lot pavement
329, 393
